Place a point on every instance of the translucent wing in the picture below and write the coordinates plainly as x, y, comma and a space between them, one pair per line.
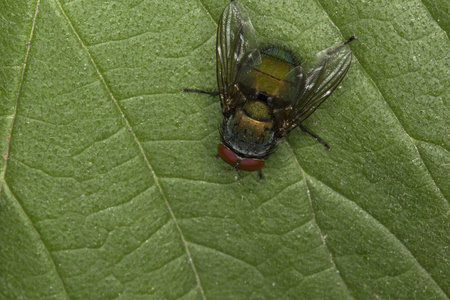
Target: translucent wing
236, 43
314, 89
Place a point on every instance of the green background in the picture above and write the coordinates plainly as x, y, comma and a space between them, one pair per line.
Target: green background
109, 188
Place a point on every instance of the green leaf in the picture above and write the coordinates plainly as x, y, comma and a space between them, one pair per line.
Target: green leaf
109, 187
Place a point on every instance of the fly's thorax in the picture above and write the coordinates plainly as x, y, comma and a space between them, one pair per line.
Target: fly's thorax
258, 111
250, 130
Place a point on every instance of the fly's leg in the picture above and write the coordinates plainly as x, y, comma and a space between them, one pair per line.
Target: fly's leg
333, 50
260, 175
200, 92
314, 136
352, 38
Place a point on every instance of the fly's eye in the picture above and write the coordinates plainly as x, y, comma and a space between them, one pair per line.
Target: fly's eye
249, 164
246, 164
227, 155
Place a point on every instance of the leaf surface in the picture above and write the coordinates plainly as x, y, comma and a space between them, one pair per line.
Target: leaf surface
109, 187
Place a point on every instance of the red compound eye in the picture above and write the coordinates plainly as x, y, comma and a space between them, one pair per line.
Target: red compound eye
227, 155
247, 164
250, 164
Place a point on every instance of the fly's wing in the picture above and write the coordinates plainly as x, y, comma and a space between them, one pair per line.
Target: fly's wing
314, 89
236, 44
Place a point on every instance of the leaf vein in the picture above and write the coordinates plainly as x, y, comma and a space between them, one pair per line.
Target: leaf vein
141, 149
319, 231
387, 231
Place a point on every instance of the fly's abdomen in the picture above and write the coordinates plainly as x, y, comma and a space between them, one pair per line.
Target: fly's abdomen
269, 76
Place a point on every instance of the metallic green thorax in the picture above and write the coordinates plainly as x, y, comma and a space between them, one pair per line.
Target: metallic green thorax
250, 128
